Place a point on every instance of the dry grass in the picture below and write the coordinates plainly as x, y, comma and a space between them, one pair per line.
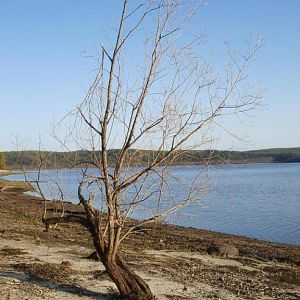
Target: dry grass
58, 273
287, 275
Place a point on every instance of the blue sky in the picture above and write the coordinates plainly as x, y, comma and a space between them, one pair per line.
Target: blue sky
45, 63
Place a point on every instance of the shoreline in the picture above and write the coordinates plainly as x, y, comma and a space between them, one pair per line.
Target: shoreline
23, 187
7, 172
189, 157
13, 185
14, 169
166, 256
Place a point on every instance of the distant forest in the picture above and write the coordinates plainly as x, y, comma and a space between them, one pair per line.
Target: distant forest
31, 159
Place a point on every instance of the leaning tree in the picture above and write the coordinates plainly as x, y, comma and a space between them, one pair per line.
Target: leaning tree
155, 96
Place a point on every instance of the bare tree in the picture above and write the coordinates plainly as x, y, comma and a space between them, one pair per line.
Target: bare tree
166, 99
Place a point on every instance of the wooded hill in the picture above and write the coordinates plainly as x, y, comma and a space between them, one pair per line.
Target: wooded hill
31, 159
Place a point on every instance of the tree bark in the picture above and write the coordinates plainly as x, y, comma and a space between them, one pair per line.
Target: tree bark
130, 285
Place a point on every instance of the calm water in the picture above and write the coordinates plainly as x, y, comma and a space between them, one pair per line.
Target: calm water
255, 200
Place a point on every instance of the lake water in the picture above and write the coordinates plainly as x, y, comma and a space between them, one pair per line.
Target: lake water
255, 200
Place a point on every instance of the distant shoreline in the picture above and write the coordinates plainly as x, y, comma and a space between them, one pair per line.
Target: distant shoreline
13, 170
138, 157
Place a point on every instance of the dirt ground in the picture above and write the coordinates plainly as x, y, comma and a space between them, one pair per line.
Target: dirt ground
35, 264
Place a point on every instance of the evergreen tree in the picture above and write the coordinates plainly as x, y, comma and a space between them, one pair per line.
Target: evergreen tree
2, 160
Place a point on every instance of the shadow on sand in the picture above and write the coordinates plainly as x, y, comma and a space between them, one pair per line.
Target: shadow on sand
67, 288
